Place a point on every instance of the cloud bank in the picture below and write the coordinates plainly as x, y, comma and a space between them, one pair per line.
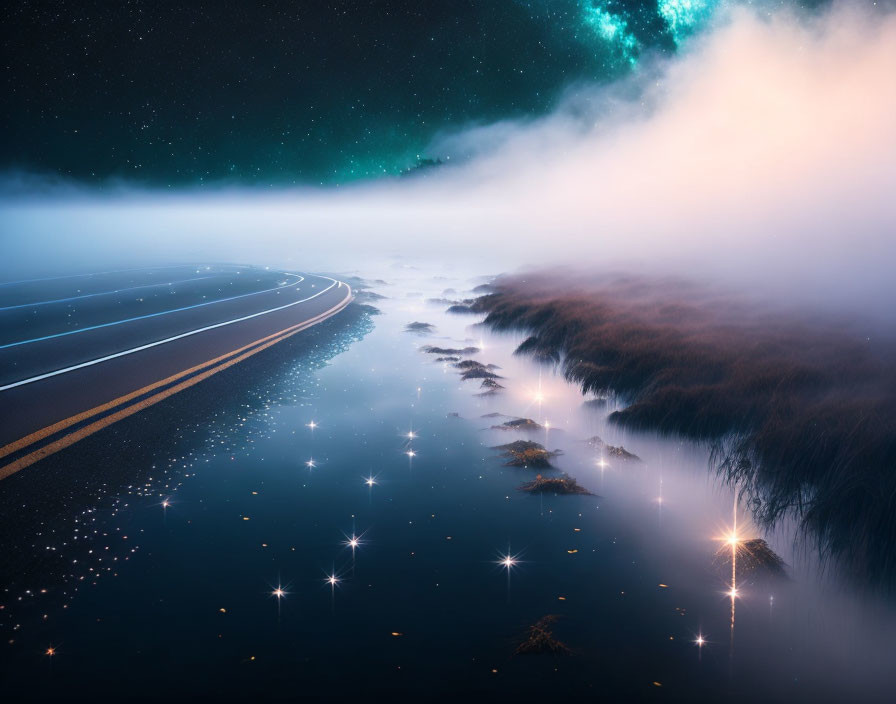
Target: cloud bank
764, 155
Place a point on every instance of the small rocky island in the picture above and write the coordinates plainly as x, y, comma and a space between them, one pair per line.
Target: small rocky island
525, 424
491, 385
754, 558
525, 453
540, 640
554, 485
619, 453
475, 370
432, 349
420, 328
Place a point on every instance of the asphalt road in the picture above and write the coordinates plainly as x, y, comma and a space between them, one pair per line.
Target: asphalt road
81, 352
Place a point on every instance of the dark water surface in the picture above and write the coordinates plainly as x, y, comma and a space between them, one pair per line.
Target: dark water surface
176, 601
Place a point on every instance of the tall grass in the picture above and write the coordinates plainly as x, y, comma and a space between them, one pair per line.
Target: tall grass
799, 409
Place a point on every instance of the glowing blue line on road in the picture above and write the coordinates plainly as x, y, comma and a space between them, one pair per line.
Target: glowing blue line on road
144, 317
337, 284
102, 293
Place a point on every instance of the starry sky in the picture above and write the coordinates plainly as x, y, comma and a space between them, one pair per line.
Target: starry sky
284, 92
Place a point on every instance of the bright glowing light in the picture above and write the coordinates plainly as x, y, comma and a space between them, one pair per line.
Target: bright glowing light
50, 651
507, 561
311, 464
411, 435
602, 463
278, 592
731, 539
332, 580
538, 397
700, 641
411, 453
370, 481
352, 541
733, 593
312, 425
166, 503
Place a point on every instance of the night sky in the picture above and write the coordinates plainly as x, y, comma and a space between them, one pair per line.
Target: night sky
168, 94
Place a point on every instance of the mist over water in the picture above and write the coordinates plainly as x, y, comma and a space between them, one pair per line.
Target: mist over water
763, 156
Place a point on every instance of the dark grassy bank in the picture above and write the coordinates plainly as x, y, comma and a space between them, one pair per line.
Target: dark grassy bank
799, 409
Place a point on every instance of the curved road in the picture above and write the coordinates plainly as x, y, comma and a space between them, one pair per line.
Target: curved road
77, 355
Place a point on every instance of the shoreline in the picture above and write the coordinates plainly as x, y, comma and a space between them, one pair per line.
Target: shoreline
784, 429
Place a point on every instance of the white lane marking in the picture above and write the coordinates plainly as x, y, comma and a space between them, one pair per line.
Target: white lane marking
102, 273
34, 304
169, 339
148, 315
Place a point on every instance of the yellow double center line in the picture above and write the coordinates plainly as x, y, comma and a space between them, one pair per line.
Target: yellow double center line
211, 367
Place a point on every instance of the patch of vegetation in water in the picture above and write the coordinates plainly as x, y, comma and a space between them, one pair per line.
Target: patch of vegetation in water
554, 485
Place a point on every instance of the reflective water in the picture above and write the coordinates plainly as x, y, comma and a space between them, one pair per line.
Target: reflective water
190, 554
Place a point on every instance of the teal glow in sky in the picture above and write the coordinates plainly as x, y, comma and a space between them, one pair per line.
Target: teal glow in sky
611, 28
686, 16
